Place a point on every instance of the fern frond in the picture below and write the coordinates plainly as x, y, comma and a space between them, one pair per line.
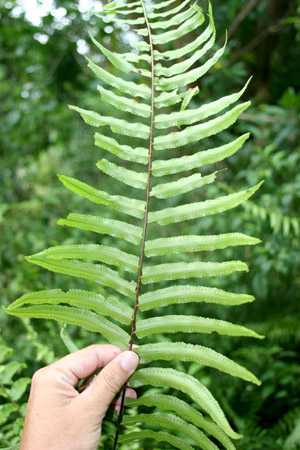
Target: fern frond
78, 298
140, 21
183, 409
202, 209
184, 163
159, 436
190, 47
195, 133
126, 176
189, 25
176, 271
138, 155
127, 205
128, 87
194, 353
118, 126
195, 115
74, 316
66, 338
183, 244
164, 4
117, 60
190, 294
168, 99
175, 20
172, 422
181, 186
179, 68
156, 376
108, 255
155, 78
124, 103
191, 324
190, 93
115, 228
93, 272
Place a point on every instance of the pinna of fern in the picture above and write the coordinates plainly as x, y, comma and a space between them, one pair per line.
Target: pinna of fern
160, 79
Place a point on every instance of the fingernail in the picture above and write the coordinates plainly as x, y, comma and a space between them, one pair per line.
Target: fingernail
129, 361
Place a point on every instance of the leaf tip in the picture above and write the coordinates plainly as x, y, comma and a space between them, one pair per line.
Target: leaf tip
61, 177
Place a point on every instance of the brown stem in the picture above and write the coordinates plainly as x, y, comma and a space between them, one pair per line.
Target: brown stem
136, 305
11, 400
242, 16
276, 28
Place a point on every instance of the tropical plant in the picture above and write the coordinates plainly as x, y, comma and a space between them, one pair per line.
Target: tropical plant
157, 78
12, 393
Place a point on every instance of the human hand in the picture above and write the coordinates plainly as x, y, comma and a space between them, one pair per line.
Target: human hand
58, 416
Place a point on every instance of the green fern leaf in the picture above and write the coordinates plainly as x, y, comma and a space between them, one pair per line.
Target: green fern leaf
124, 103
210, 128
189, 294
192, 46
140, 21
176, 271
181, 80
182, 409
161, 5
129, 206
78, 298
202, 209
138, 155
157, 76
157, 436
129, 177
183, 66
168, 99
108, 255
118, 126
101, 225
195, 353
195, 115
118, 61
93, 272
175, 20
190, 93
191, 324
189, 25
181, 186
73, 316
128, 87
184, 163
172, 422
126, 12
189, 385
183, 244
66, 338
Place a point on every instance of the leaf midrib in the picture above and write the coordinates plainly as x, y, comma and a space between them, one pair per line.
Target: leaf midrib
146, 216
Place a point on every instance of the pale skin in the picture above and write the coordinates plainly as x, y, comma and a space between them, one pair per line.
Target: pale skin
58, 416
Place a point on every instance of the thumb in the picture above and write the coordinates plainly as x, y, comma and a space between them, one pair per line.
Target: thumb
110, 381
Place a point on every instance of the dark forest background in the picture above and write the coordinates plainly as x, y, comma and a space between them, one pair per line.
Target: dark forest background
42, 70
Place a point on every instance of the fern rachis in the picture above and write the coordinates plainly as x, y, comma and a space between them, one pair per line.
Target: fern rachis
158, 90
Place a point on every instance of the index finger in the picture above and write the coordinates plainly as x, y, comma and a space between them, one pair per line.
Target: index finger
85, 362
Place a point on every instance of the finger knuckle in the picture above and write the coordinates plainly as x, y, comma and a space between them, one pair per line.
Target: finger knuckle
40, 376
111, 380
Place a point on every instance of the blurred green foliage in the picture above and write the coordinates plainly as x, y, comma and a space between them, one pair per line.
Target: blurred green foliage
41, 73
13, 386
